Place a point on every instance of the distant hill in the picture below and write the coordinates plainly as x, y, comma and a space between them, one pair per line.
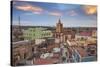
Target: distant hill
53, 28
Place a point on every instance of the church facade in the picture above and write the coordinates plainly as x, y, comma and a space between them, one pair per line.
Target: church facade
62, 34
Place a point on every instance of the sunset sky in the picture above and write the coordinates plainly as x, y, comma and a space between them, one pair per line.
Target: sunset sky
47, 14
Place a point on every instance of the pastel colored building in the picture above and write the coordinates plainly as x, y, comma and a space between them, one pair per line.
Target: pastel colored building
36, 33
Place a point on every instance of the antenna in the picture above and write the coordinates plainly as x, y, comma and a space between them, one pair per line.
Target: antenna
19, 20
19, 23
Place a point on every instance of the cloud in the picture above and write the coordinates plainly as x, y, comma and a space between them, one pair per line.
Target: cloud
30, 14
90, 10
36, 9
37, 12
31, 8
72, 13
55, 13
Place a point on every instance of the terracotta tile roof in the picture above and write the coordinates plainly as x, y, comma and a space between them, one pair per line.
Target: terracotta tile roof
45, 61
82, 52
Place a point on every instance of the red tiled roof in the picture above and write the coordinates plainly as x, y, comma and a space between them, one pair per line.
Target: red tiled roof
85, 33
82, 52
45, 61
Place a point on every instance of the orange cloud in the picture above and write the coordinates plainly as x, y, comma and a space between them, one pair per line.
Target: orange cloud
89, 10
31, 8
55, 13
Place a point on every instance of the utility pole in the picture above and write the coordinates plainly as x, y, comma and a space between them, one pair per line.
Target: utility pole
19, 23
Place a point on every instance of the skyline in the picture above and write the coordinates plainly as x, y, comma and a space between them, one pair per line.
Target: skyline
48, 14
